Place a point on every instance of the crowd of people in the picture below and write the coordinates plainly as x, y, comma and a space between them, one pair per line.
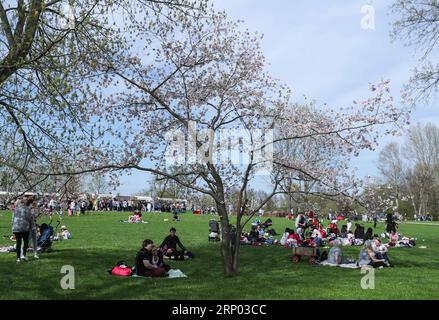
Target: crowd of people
310, 232
170, 206
423, 217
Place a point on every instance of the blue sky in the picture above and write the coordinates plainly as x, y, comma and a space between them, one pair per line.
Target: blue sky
320, 50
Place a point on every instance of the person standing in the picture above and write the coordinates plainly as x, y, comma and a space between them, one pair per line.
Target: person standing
73, 208
21, 225
33, 232
349, 225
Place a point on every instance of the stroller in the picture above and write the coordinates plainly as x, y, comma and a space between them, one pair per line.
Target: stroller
214, 231
45, 239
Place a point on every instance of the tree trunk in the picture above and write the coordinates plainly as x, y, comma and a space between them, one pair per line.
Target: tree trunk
228, 252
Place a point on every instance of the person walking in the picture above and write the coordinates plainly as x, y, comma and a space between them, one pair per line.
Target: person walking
21, 225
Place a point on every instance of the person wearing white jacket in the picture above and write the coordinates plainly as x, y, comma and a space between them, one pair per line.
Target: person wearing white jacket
21, 225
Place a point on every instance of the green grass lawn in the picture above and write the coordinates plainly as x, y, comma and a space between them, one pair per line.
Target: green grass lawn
265, 272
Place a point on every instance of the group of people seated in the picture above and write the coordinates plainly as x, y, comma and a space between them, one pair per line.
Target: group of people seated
259, 233
310, 232
150, 259
373, 254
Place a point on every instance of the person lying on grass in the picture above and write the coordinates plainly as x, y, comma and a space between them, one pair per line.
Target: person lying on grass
169, 246
149, 262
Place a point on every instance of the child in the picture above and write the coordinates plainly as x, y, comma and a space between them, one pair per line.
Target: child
65, 234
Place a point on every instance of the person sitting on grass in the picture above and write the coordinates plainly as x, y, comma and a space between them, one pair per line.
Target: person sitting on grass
157, 256
317, 239
374, 260
261, 233
285, 236
175, 215
335, 254
380, 250
393, 238
359, 231
244, 238
293, 240
136, 217
344, 231
333, 229
169, 245
364, 259
253, 236
368, 235
65, 234
300, 221
322, 231
147, 262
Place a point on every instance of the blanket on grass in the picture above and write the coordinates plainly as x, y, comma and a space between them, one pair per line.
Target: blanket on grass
343, 265
173, 273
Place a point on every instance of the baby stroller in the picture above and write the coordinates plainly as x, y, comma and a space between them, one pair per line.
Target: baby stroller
214, 231
45, 239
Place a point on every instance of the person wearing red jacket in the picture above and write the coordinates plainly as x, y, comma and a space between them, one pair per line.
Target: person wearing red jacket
296, 237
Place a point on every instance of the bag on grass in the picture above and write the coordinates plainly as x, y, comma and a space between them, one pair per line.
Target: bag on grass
122, 270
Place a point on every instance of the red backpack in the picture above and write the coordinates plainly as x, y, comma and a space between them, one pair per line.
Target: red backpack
122, 271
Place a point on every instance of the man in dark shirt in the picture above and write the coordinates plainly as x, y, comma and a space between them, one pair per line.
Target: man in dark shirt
169, 245
147, 264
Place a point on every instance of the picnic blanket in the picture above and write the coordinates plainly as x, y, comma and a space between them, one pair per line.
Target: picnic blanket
125, 221
7, 249
11, 249
173, 273
343, 265
176, 273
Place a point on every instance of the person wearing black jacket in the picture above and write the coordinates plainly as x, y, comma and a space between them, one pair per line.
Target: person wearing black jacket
149, 263
169, 244
368, 235
359, 231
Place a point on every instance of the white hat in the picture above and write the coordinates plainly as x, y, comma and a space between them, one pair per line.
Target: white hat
63, 227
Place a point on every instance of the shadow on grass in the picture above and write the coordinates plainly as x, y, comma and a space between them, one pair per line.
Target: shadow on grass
261, 268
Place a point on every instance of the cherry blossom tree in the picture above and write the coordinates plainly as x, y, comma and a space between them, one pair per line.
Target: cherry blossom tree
191, 101
416, 25
50, 53
203, 99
